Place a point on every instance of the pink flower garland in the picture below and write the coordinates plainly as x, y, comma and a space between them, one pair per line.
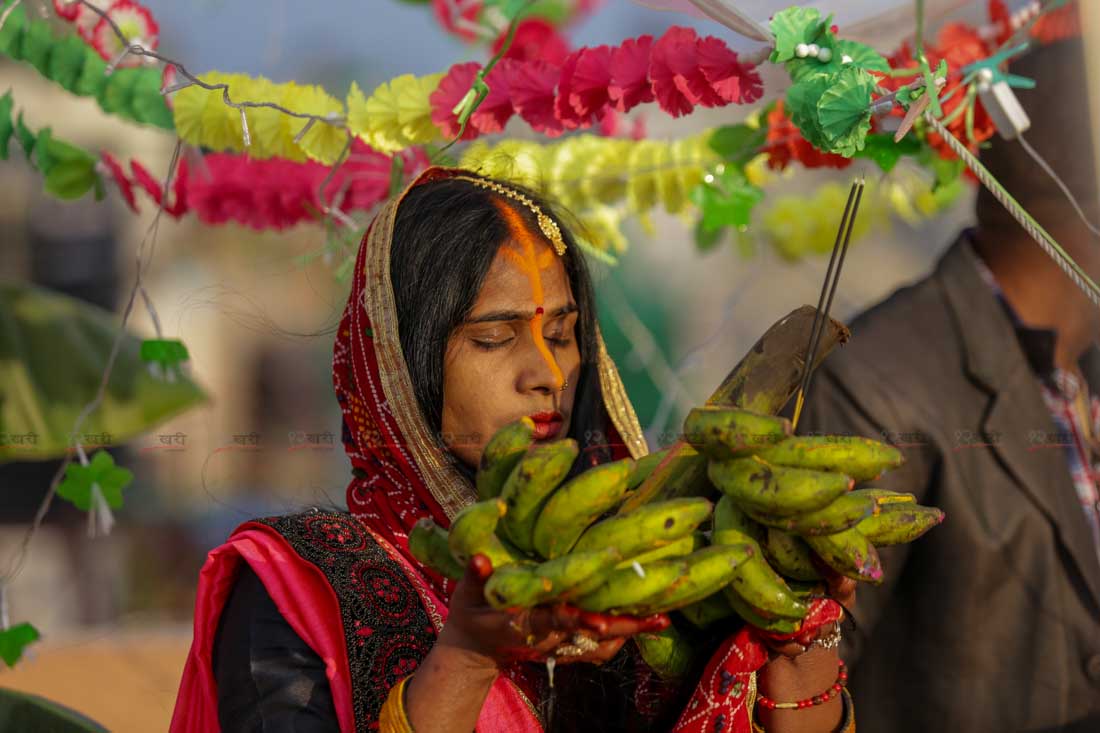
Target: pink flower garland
679, 70
265, 194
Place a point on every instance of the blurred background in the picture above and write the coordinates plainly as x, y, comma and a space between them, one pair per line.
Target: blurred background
257, 312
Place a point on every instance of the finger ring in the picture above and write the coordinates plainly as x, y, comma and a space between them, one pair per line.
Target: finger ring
829, 641
580, 645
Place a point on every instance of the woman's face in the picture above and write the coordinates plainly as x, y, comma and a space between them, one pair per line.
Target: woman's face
505, 361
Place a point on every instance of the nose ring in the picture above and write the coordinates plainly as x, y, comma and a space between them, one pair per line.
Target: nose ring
564, 384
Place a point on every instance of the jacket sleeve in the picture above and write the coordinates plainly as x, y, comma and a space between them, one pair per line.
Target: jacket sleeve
853, 401
268, 679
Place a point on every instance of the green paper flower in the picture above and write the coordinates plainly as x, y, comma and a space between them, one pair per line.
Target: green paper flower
7, 128
844, 111
833, 110
100, 471
882, 149
14, 640
67, 61
793, 26
726, 199
131, 93
738, 144
69, 172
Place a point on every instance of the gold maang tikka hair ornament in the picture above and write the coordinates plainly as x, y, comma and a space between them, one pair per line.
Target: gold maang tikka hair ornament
547, 226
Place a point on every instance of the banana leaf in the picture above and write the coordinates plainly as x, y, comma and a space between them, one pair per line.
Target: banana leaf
24, 711
53, 349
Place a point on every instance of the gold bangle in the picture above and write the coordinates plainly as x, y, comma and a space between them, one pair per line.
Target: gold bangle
847, 722
394, 718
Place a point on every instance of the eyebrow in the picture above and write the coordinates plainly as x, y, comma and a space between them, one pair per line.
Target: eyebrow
514, 315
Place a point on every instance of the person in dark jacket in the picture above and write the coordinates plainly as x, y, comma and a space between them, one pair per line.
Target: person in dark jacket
986, 373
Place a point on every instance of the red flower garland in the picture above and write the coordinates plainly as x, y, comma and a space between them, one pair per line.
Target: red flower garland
1057, 25
265, 194
960, 45
536, 38
785, 143
680, 71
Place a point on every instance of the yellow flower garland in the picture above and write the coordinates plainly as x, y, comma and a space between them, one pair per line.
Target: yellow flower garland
395, 116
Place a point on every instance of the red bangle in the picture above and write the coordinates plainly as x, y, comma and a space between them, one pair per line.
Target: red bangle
809, 702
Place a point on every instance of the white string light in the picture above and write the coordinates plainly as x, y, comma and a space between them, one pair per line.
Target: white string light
143, 257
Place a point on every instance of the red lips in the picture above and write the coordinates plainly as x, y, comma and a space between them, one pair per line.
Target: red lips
547, 424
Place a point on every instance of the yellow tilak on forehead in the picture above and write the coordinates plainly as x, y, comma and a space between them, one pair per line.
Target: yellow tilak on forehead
547, 226
530, 263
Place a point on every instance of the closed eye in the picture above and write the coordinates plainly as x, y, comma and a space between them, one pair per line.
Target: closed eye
491, 345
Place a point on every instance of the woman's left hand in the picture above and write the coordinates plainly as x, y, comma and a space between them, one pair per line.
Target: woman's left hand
840, 589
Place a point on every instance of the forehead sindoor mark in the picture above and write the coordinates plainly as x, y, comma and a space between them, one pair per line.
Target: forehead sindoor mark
531, 264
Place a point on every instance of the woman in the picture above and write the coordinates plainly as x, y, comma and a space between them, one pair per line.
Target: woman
470, 308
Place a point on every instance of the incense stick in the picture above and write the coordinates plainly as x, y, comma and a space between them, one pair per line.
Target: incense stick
828, 291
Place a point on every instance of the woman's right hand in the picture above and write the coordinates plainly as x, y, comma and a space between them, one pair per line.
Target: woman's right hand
451, 684
492, 637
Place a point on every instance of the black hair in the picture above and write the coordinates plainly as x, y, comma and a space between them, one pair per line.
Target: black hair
446, 234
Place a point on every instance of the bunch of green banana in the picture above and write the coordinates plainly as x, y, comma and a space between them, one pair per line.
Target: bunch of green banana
791, 499
553, 540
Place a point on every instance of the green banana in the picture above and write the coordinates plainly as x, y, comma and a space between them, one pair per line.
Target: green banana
647, 528
883, 497
754, 618
577, 573
708, 611
577, 504
727, 515
728, 432
517, 586
667, 653
529, 486
678, 548
500, 456
682, 472
899, 523
756, 582
808, 590
789, 555
644, 467
759, 486
624, 588
849, 553
428, 544
844, 513
473, 531
860, 458
708, 571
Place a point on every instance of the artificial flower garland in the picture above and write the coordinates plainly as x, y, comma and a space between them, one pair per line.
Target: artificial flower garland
131, 93
679, 71
69, 171
824, 120
264, 194
134, 20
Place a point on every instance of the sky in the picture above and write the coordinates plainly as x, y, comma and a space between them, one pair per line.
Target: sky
336, 41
